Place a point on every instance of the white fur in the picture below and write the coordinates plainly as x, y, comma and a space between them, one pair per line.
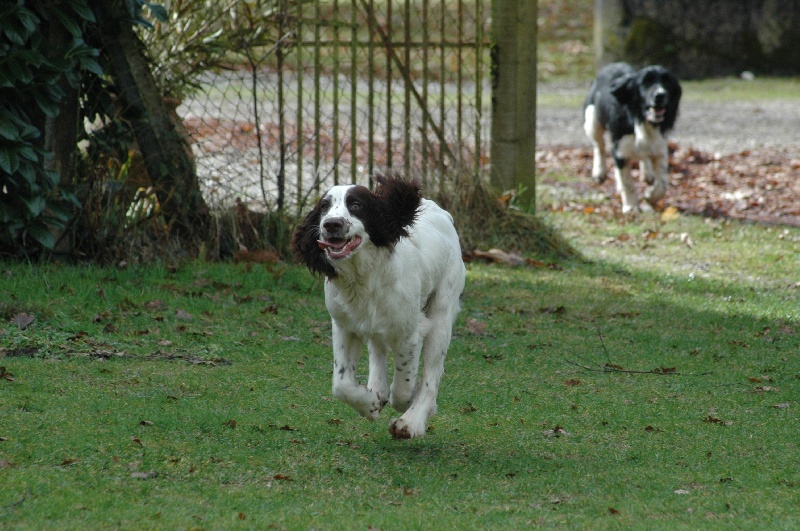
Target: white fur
403, 299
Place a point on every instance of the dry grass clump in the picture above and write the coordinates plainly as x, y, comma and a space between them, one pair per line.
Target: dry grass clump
485, 222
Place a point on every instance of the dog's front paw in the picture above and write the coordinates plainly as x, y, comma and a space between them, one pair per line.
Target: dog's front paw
402, 429
372, 410
599, 178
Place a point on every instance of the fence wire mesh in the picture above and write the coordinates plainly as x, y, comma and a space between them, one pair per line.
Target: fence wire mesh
347, 89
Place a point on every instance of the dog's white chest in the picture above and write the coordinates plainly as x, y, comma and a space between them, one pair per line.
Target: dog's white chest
647, 141
370, 313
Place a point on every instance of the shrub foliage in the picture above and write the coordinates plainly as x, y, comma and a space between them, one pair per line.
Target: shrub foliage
32, 79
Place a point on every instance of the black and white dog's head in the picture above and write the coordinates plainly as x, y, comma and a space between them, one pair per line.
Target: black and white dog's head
652, 94
351, 218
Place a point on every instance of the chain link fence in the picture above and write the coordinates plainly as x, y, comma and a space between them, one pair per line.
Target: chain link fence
333, 91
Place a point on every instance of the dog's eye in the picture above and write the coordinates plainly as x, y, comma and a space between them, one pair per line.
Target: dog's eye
355, 205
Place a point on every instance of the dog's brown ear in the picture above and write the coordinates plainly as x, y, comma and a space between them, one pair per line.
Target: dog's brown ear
401, 200
305, 247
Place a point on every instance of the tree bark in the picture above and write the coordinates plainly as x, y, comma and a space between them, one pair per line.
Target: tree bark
166, 153
61, 132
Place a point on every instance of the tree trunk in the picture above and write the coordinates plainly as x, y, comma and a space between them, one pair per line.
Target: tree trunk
61, 132
166, 153
514, 97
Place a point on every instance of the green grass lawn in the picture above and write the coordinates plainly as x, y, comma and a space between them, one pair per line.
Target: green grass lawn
199, 396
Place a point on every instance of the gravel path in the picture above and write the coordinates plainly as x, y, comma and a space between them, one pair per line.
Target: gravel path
713, 127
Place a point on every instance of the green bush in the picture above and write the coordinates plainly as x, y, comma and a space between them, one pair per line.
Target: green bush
31, 76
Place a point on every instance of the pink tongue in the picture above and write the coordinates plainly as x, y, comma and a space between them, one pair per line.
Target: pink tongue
337, 250
323, 244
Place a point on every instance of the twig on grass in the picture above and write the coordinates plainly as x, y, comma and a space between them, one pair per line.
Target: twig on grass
19, 501
603, 344
612, 367
616, 368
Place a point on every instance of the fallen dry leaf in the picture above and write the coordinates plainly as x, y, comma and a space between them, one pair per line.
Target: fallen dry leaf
5, 375
475, 327
155, 305
144, 475
557, 431
23, 320
766, 389
670, 214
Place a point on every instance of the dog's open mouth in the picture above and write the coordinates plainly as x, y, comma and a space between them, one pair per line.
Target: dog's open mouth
338, 248
656, 114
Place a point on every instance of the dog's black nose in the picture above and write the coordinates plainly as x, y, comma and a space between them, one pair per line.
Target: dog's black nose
333, 225
660, 98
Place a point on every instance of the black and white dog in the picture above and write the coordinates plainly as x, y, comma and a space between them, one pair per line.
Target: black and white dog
638, 109
394, 277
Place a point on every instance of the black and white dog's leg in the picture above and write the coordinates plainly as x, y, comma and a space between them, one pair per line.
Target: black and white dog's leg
625, 186
594, 130
346, 352
414, 422
438, 332
406, 366
660, 182
378, 382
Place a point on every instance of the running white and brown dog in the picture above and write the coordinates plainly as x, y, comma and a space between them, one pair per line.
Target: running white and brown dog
638, 109
394, 277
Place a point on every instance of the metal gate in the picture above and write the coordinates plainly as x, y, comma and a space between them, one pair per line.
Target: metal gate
351, 88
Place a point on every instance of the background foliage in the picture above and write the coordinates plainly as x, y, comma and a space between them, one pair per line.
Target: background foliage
32, 76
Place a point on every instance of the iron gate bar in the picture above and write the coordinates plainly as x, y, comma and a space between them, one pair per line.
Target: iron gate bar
299, 134
317, 92
424, 102
336, 45
421, 98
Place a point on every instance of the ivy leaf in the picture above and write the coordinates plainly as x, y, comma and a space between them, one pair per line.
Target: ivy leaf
159, 11
39, 232
9, 132
46, 104
83, 11
9, 162
69, 24
35, 205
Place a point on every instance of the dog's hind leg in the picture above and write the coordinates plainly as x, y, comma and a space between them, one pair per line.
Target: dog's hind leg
406, 367
594, 130
414, 422
346, 352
